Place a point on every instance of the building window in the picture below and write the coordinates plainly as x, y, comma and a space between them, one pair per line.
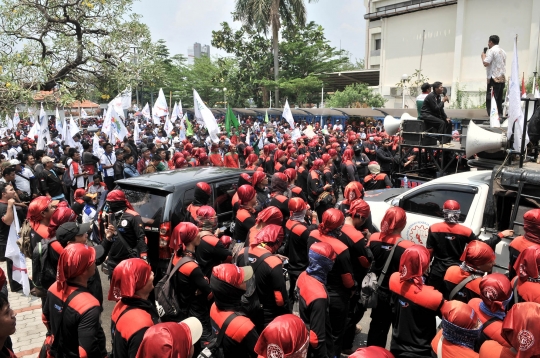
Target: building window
378, 44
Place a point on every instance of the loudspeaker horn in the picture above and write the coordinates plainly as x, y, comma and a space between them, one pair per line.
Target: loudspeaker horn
406, 115
481, 140
391, 125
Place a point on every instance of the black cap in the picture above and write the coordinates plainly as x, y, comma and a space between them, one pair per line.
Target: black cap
67, 231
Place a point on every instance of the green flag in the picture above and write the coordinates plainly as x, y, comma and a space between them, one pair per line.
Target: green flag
266, 117
230, 119
189, 129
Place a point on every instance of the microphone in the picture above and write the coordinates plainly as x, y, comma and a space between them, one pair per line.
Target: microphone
444, 91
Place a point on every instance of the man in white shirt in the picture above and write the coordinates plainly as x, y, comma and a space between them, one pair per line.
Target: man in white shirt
107, 161
23, 177
338, 126
494, 60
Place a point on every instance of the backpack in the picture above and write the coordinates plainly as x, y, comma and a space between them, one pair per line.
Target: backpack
43, 272
166, 298
24, 239
251, 305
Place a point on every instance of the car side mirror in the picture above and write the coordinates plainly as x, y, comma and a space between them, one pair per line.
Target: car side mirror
395, 202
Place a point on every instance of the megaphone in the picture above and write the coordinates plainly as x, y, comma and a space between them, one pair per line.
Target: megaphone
391, 125
481, 140
406, 115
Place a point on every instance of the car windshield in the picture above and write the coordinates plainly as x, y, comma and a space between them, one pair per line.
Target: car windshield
148, 203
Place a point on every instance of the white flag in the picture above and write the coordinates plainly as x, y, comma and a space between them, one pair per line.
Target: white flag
146, 111
248, 140
261, 142
16, 118
126, 98
33, 131
168, 127
136, 130
182, 134
174, 113
180, 110
20, 273
44, 135
9, 122
287, 114
160, 108
494, 114
95, 145
70, 133
515, 114
83, 113
295, 134
118, 128
58, 121
202, 113
107, 124
73, 128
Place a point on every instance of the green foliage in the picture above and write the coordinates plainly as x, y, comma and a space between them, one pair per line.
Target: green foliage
356, 95
463, 99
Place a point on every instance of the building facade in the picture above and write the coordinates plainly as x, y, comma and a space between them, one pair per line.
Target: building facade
444, 39
196, 51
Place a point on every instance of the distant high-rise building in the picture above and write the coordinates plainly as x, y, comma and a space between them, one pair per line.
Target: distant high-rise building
196, 51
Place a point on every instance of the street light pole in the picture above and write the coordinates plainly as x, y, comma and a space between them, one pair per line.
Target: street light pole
224, 97
403, 79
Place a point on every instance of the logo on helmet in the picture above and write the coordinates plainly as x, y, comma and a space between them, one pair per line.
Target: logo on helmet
525, 339
274, 351
490, 293
404, 271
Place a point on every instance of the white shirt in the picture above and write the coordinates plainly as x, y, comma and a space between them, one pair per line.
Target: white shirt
12, 153
79, 181
22, 183
108, 160
496, 57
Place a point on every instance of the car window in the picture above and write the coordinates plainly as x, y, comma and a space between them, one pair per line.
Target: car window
431, 203
148, 203
224, 193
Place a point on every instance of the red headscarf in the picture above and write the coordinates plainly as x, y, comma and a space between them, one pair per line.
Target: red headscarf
73, 262
300, 159
286, 336
348, 154
353, 191
413, 263
531, 225
317, 164
246, 192
179, 163
521, 329
39, 204
326, 158
359, 207
528, 263
2, 279
248, 150
494, 290
78, 195
460, 314
251, 159
166, 340
477, 253
290, 173
229, 273
297, 205
270, 215
270, 234
331, 220
371, 352
61, 216
128, 277
257, 177
393, 219
118, 195
183, 234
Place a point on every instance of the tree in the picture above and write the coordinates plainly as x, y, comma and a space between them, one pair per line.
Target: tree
356, 95
265, 14
71, 44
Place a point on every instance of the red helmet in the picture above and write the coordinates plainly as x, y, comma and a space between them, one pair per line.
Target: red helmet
326, 158
451, 205
297, 205
324, 249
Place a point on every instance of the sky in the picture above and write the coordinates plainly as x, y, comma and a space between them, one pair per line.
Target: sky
183, 22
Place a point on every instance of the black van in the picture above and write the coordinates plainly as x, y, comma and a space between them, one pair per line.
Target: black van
162, 198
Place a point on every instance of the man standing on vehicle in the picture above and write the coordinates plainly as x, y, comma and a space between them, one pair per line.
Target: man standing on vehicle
447, 240
494, 60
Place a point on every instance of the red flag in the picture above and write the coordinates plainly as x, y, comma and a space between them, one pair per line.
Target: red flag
523, 90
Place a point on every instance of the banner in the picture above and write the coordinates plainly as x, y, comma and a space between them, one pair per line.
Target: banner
16, 118
168, 127
180, 110
33, 131
287, 114
515, 114
136, 130
118, 129
20, 273
73, 128
203, 113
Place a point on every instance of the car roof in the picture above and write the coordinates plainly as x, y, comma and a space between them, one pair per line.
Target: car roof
170, 179
473, 176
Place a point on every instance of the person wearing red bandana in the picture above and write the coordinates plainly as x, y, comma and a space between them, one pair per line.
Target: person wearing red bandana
371, 352
381, 244
294, 191
252, 162
495, 294
215, 157
129, 224
415, 305
527, 282
245, 216
281, 160
231, 159
286, 337
191, 286
269, 162
348, 168
461, 327
40, 211
447, 240
269, 281
259, 181
210, 251
229, 283
531, 226
314, 301
171, 339
76, 327
244, 178
133, 314
521, 331
477, 259
270, 215
277, 190
201, 196
340, 282
302, 172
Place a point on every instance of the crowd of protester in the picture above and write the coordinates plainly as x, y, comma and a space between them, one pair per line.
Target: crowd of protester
300, 221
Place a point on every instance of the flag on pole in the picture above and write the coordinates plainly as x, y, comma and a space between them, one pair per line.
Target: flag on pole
287, 114
203, 113
70, 133
523, 90
266, 117
118, 129
160, 108
189, 128
58, 121
230, 119
73, 128
261, 142
136, 130
95, 146
33, 131
146, 111
9, 122
44, 135
168, 127
20, 273
174, 113
16, 118
248, 139
180, 110
515, 114
494, 113
83, 113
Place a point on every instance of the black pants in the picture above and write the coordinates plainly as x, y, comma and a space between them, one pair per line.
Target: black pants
356, 312
438, 125
13, 285
293, 277
110, 183
339, 308
498, 92
381, 320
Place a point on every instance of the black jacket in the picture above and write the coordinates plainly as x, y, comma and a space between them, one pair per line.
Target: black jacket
50, 183
385, 158
433, 106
